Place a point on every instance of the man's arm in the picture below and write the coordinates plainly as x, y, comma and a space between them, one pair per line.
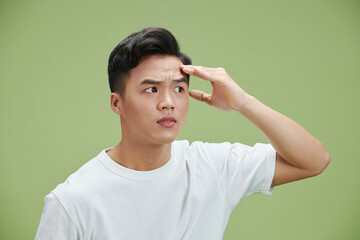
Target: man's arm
299, 155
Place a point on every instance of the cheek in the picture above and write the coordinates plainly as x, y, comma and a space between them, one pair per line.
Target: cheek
134, 110
184, 105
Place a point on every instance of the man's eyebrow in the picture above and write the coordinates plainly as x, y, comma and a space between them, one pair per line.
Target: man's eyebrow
181, 80
148, 81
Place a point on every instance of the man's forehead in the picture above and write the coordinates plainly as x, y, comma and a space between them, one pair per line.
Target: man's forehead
158, 66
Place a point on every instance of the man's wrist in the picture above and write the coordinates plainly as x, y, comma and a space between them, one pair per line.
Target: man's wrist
246, 104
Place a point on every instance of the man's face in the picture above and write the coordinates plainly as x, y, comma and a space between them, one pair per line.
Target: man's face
155, 89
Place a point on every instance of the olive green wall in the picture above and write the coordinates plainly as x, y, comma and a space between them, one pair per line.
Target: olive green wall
301, 58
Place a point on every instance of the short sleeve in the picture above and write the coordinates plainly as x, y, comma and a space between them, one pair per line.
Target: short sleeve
242, 169
55, 222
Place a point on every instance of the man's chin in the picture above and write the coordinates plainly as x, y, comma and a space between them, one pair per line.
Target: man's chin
165, 139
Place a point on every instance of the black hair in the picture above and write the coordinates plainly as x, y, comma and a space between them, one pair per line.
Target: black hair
130, 51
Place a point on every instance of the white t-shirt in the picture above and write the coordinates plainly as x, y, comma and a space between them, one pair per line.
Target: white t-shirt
190, 197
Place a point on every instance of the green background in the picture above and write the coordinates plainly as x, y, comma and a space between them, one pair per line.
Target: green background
301, 58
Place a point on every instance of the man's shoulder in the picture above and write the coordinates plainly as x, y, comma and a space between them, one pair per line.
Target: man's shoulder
80, 181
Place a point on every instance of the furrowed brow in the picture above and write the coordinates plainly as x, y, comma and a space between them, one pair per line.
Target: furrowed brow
185, 80
147, 81
153, 82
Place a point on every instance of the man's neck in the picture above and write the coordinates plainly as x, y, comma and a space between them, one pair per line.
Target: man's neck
139, 155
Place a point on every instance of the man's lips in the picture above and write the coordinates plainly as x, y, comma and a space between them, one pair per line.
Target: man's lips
167, 121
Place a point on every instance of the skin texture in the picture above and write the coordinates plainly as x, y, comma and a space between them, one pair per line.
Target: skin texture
145, 144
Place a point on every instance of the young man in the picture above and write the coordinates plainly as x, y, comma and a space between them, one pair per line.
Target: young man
151, 186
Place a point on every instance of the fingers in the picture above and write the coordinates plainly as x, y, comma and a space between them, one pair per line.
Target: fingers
200, 96
201, 72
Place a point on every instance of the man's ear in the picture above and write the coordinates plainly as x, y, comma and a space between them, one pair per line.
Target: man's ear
116, 103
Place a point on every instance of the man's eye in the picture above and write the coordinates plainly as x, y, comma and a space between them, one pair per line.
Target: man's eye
179, 89
151, 89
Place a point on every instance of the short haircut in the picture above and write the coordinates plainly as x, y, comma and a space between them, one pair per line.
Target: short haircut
138, 45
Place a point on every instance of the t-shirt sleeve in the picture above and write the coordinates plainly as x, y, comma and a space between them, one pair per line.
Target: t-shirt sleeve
55, 222
241, 169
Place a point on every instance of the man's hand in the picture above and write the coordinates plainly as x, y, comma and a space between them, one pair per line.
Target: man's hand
226, 94
299, 154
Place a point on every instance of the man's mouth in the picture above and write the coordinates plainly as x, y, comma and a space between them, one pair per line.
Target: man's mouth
167, 121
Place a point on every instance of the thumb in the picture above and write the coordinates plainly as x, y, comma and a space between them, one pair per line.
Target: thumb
199, 95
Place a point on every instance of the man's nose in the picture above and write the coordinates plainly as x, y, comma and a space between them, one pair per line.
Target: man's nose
166, 102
